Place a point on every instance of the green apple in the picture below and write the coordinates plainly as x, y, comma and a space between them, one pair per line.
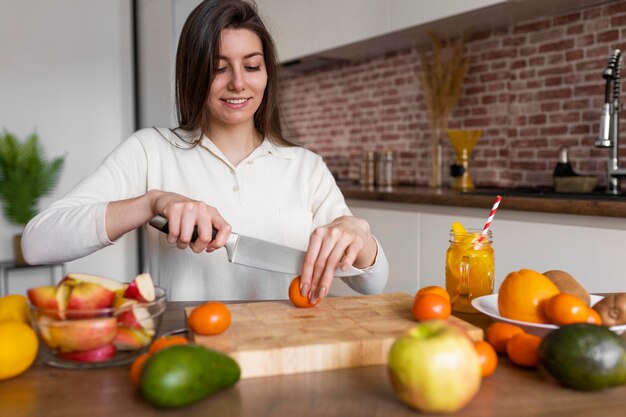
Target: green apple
434, 367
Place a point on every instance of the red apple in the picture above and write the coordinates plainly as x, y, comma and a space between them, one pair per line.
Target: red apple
74, 278
88, 296
88, 334
49, 298
141, 289
137, 317
123, 302
43, 325
434, 367
44, 297
101, 354
128, 338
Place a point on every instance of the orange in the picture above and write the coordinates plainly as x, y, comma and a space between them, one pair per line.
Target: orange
18, 348
593, 317
165, 341
431, 306
523, 349
295, 297
499, 334
487, 357
137, 367
566, 309
14, 307
522, 294
210, 318
434, 289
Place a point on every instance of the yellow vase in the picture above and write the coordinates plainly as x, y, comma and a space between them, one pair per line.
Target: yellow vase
463, 142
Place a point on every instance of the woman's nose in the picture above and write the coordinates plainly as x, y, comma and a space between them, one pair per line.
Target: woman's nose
236, 82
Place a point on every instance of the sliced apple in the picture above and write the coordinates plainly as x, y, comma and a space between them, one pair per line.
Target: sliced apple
128, 338
73, 278
43, 325
44, 297
88, 334
88, 296
100, 354
49, 298
123, 302
137, 317
141, 289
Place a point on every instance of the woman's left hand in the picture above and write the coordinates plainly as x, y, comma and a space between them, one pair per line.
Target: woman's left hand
346, 241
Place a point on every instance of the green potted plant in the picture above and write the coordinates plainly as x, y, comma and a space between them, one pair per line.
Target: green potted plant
25, 176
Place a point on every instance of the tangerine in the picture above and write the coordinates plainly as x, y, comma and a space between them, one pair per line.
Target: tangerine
522, 295
566, 309
523, 349
210, 318
137, 367
431, 306
434, 289
487, 357
296, 298
593, 317
499, 334
165, 341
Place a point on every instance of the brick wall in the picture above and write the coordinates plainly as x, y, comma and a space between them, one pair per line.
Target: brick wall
531, 87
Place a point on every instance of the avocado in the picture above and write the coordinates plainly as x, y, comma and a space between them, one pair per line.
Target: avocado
183, 374
584, 356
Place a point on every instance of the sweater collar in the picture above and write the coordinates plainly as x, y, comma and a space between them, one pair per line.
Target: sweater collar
265, 148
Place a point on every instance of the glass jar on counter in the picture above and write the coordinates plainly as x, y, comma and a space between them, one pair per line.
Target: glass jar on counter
368, 169
385, 169
470, 268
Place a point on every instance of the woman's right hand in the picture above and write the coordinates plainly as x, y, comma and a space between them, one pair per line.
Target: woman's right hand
183, 214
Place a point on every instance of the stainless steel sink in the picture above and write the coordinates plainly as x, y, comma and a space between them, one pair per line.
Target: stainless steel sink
546, 192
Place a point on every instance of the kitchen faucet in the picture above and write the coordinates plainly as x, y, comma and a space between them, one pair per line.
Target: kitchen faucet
609, 123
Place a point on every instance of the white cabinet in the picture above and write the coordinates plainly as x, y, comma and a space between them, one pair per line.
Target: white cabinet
399, 237
321, 30
590, 248
307, 27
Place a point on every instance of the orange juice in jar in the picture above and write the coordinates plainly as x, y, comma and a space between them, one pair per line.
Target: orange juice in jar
470, 267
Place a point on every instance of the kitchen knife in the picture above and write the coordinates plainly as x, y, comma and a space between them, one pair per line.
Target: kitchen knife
257, 253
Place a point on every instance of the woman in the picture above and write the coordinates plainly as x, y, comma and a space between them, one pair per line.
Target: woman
226, 167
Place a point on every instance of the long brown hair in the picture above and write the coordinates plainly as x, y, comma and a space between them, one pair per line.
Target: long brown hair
197, 60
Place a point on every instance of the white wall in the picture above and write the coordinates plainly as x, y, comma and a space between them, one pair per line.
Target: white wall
66, 72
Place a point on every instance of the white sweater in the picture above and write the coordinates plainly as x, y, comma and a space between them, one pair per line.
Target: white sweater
278, 194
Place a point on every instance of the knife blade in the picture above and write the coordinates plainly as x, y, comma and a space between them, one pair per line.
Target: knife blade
257, 253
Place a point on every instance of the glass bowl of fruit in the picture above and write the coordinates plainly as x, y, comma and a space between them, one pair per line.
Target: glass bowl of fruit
88, 321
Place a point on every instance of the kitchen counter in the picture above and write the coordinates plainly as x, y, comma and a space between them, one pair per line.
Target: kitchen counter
592, 204
511, 391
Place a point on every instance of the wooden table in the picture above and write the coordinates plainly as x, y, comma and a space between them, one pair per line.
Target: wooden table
511, 392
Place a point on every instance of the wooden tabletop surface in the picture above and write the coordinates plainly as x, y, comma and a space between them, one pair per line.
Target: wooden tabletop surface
511, 392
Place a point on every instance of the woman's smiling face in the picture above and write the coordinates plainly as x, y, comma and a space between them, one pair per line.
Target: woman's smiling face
239, 84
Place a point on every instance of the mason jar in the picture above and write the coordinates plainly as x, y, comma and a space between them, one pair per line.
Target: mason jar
470, 268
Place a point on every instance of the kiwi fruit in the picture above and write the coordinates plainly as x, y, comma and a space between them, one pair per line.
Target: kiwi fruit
567, 284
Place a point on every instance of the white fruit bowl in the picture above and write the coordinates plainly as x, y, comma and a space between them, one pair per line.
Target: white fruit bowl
488, 305
100, 337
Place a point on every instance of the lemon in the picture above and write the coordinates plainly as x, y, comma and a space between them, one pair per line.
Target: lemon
18, 348
14, 308
458, 229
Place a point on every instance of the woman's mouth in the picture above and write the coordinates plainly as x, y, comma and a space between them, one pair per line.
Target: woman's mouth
236, 103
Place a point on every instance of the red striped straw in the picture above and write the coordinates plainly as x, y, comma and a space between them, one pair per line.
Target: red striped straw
490, 218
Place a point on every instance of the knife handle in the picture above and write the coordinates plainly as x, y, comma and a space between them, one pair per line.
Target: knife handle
161, 223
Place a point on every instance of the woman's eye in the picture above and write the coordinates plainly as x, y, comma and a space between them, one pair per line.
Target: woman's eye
221, 70
257, 68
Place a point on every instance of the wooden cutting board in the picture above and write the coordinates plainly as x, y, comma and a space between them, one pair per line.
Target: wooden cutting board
276, 338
